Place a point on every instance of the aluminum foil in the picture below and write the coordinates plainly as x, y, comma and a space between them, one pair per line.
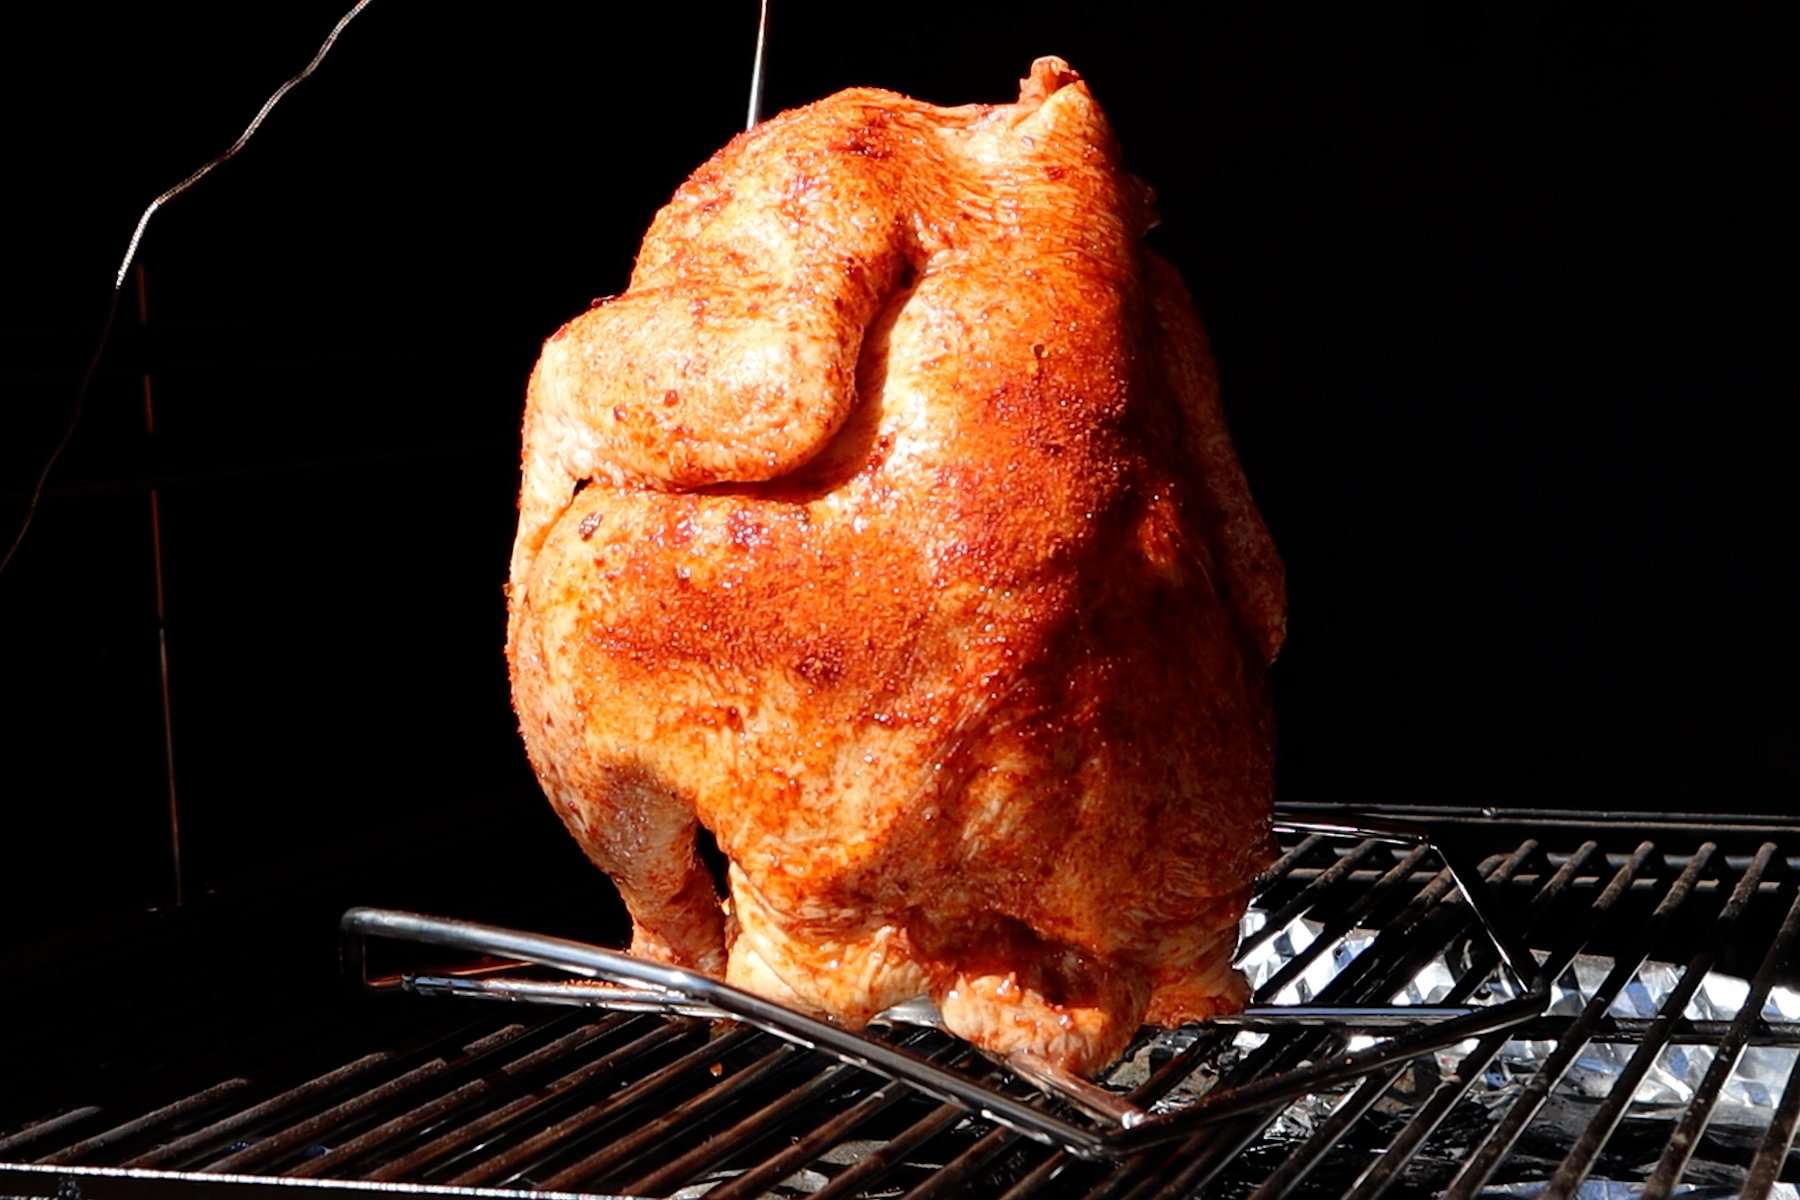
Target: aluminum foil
1750, 1094
1744, 1109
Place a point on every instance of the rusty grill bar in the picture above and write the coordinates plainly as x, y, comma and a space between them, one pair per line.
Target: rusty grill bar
525, 1097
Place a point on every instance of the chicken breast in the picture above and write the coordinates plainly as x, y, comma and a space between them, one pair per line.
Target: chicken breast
888, 527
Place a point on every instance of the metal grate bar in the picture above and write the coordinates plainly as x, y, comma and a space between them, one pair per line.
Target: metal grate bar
168, 1112
249, 1116
1704, 887
1500, 1139
469, 1131
686, 1115
1771, 1156
1693, 1122
1298, 851
304, 1131
548, 1140
1400, 1151
461, 1096
1041, 1176
873, 1166
1309, 895
1407, 947
1400, 934
1576, 1164
953, 1176
1682, 1033
40, 1130
1347, 920
323, 1085
750, 1128
1298, 1165
768, 1174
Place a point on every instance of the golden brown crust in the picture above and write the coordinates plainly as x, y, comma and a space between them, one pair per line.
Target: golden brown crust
935, 593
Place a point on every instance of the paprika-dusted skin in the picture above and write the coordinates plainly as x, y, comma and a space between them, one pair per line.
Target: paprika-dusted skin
888, 526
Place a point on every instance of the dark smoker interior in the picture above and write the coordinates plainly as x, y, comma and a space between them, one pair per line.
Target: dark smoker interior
1499, 296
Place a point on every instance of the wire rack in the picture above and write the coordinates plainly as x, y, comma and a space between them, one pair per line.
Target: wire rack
1631, 927
1115, 1126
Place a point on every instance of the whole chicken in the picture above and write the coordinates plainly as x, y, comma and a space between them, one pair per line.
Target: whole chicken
888, 527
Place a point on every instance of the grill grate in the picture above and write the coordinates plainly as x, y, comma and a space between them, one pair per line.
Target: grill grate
1672, 948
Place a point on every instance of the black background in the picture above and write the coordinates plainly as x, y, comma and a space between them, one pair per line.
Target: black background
1501, 295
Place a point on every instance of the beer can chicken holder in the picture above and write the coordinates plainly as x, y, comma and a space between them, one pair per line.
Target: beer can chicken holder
1040, 1100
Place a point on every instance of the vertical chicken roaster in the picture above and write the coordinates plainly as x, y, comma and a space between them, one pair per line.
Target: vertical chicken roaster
888, 527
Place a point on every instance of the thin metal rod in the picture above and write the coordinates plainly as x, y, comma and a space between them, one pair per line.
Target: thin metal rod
35, 495
1580, 1158
1699, 1112
1053, 1080
756, 70
40, 1130
767, 1174
873, 1166
1309, 895
1441, 815
1498, 1143
690, 1114
1771, 1157
820, 1089
256, 1112
304, 1131
609, 998
568, 995
149, 1120
1041, 1176
1293, 856
557, 1135
461, 1096
476, 1130
1682, 1033
952, 1179
1593, 882
162, 615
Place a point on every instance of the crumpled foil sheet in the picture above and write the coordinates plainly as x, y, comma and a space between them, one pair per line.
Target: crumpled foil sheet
1750, 1093
1744, 1109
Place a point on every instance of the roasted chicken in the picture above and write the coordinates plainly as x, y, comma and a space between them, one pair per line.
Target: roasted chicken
888, 527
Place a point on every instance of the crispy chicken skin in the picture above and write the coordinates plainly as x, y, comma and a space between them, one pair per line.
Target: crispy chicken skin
888, 526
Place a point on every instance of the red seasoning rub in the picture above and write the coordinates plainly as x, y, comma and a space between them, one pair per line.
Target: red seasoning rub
888, 526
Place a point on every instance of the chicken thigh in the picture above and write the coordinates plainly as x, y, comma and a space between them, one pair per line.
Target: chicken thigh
888, 527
